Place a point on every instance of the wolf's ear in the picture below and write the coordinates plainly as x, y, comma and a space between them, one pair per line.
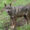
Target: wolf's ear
26, 9
4, 4
10, 4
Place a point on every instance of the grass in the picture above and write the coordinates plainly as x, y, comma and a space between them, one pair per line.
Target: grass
26, 27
